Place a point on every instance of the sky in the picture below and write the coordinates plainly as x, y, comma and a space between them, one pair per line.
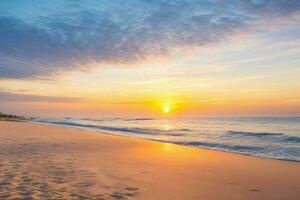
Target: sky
181, 58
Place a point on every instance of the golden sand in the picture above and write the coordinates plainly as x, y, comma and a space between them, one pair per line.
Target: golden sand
48, 162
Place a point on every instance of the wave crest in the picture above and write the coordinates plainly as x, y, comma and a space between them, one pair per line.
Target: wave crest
252, 134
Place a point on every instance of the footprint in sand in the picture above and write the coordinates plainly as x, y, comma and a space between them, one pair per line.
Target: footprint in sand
255, 190
131, 191
117, 195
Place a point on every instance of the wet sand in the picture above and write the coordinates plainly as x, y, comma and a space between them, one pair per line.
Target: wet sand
48, 162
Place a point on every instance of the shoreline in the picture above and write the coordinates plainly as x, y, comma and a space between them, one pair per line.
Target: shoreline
38, 161
153, 140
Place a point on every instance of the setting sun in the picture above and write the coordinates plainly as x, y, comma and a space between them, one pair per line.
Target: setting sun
166, 109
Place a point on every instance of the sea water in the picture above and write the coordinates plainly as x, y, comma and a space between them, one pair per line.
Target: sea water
271, 137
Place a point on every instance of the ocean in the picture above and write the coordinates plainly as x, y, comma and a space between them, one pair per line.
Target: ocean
270, 137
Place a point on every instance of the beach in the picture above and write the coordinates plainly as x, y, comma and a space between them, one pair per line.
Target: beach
50, 162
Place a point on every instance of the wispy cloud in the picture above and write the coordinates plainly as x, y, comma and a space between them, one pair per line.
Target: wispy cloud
13, 97
120, 32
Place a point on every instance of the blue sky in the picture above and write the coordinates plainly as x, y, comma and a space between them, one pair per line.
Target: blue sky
245, 44
56, 34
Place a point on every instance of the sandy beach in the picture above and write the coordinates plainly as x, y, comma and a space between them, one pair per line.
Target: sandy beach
48, 162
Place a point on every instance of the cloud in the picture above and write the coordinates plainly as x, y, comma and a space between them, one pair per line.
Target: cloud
119, 32
12, 97
270, 8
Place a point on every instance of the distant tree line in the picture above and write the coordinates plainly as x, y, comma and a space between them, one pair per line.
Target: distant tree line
9, 116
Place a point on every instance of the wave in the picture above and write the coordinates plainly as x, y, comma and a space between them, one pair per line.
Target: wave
135, 130
107, 128
137, 119
291, 139
223, 146
212, 145
114, 119
252, 134
279, 137
291, 155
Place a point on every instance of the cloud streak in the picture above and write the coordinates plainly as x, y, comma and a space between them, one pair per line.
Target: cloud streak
12, 97
119, 32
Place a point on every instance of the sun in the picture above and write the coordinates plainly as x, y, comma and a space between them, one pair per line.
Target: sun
166, 109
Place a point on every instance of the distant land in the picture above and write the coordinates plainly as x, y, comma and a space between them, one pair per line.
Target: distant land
10, 117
